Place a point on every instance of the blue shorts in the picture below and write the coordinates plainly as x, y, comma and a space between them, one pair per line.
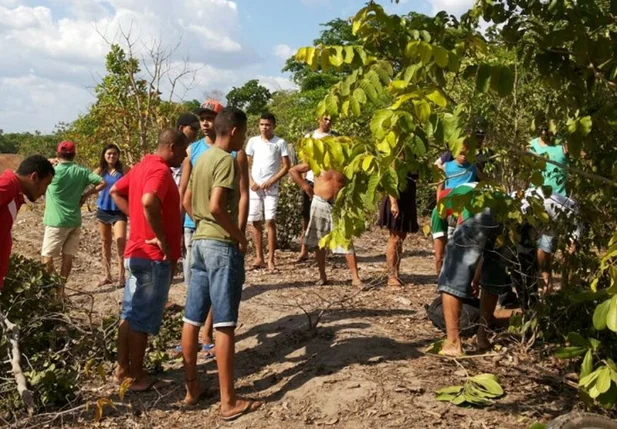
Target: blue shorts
145, 294
217, 276
472, 240
546, 243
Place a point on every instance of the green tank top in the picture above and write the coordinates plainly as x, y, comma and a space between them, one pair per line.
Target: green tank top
554, 176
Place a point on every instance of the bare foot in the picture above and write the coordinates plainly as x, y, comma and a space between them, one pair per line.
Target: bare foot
105, 281
302, 257
451, 349
240, 408
195, 392
143, 384
258, 265
322, 282
272, 268
356, 282
394, 281
122, 281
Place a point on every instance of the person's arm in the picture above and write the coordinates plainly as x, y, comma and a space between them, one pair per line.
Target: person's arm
439, 189
243, 209
120, 194
218, 209
277, 177
296, 173
187, 168
152, 211
187, 202
99, 185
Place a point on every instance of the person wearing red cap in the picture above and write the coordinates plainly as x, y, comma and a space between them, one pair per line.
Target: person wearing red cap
31, 179
207, 113
63, 200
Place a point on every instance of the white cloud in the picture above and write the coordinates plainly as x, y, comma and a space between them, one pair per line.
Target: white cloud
453, 7
53, 56
283, 51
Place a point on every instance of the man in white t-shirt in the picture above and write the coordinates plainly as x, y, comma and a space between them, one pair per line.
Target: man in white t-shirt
324, 130
269, 163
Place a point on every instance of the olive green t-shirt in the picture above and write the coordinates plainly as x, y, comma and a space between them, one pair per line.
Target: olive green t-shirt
62, 209
214, 168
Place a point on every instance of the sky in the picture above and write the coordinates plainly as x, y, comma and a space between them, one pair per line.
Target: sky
52, 52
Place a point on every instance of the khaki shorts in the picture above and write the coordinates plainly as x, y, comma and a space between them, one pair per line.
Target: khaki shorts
60, 241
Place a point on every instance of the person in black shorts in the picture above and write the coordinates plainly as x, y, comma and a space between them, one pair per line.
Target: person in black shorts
400, 217
109, 215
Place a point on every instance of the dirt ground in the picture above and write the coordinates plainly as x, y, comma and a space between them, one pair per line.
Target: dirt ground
365, 366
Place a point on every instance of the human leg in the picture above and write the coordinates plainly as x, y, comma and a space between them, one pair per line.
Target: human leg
488, 302
256, 217
320, 256
270, 207
352, 263
452, 314
188, 250
271, 227
120, 237
207, 334
393, 257
70, 248
546, 248
105, 230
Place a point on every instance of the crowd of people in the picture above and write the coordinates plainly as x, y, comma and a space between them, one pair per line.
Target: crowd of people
192, 200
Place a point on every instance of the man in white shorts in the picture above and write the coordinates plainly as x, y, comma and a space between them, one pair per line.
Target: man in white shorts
63, 200
269, 163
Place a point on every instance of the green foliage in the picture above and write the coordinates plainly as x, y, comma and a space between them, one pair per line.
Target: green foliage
478, 390
288, 213
250, 97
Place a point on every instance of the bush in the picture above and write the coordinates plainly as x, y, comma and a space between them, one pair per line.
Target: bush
289, 213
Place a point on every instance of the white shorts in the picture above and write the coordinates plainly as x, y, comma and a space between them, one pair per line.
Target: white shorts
263, 204
60, 241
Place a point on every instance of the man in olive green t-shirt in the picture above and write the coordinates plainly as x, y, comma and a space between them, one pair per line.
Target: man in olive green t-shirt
217, 262
63, 200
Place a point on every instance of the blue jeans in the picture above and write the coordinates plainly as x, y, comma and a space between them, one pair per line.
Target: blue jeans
217, 276
145, 294
188, 249
472, 240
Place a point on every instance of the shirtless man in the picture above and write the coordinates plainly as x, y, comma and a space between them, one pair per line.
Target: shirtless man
327, 186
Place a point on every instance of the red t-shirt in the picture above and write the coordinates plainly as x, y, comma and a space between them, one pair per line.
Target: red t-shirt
152, 175
11, 199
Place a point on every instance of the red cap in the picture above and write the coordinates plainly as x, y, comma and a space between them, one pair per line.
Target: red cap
66, 147
210, 105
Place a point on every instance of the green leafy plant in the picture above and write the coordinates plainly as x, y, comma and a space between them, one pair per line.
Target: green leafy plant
478, 390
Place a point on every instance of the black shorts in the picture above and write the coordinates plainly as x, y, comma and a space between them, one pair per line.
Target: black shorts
110, 217
306, 203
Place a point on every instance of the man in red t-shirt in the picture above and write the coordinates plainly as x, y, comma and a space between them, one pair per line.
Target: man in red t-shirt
148, 194
31, 179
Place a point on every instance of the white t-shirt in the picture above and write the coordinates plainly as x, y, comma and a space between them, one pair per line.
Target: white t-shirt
310, 176
554, 205
267, 157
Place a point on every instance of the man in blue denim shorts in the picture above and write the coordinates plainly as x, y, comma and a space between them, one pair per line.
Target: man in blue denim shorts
148, 194
472, 259
217, 270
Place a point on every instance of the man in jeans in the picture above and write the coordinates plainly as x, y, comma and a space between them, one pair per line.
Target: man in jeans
217, 272
63, 200
149, 196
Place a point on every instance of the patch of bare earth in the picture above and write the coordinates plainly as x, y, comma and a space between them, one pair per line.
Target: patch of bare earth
363, 367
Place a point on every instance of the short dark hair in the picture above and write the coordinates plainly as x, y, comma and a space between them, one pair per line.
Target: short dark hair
268, 117
36, 164
67, 156
170, 136
228, 119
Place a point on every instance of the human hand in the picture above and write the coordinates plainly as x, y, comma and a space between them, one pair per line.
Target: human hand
475, 288
394, 209
161, 244
268, 183
254, 186
83, 199
243, 246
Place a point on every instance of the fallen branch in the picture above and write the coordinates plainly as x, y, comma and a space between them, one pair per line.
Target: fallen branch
11, 331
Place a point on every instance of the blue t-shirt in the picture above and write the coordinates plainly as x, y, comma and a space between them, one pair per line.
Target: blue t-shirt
105, 201
457, 174
197, 148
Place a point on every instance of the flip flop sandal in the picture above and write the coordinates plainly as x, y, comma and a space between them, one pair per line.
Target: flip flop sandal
207, 350
246, 410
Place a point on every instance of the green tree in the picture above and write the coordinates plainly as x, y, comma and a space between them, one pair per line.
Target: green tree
250, 97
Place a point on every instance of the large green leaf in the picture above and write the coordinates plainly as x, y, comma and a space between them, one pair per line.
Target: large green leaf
359, 95
483, 78
489, 383
603, 383
587, 365
378, 128
438, 98
426, 52
441, 56
600, 314
570, 352
349, 54
502, 80
611, 317
423, 110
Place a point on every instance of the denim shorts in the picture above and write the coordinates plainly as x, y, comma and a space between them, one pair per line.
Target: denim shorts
546, 243
472, 240
145, 294
217, 276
